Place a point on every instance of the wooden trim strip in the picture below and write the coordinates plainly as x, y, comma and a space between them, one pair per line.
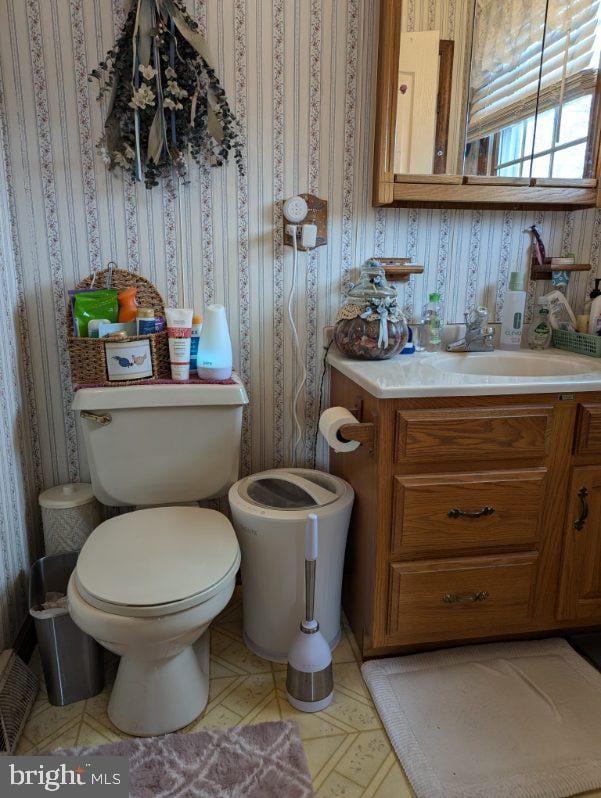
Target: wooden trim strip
456, 180
504, 196
564, 182
446, 49
492, 180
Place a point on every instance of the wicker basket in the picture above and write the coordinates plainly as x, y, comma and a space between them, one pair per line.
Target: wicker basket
578, 343
88, 355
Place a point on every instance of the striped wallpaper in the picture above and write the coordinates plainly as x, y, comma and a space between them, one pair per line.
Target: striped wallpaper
19, 452
300, 75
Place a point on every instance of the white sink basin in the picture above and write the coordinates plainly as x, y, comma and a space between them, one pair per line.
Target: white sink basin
472, 373
510, 364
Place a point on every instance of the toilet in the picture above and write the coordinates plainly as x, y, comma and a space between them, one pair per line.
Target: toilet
149, 582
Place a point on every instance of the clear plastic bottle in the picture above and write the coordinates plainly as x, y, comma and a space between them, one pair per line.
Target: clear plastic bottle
431, 324
417, 326
540, 333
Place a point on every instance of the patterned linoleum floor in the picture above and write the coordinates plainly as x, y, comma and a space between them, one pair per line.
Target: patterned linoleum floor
347, 748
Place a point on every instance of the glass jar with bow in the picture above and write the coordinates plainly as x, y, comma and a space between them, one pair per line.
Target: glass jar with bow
370, 326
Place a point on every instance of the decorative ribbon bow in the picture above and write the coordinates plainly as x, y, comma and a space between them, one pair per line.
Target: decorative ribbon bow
381, 308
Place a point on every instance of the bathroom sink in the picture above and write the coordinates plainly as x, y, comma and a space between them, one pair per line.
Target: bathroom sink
511, 364
472, 373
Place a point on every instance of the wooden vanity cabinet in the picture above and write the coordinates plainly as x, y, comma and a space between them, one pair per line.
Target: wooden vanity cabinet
475, 518
581, 573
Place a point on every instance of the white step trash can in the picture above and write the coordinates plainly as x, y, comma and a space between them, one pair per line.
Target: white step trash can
270, 511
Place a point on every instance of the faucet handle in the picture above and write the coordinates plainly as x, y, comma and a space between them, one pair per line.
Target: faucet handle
477, 316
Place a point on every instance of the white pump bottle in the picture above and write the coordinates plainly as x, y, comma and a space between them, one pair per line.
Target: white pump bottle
512, 320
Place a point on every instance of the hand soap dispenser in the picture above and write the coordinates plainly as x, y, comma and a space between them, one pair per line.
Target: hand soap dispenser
214, 357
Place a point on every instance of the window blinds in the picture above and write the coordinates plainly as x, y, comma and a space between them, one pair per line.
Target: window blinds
506, 62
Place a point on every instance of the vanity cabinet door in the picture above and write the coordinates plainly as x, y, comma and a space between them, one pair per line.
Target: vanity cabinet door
588, 431
581, 575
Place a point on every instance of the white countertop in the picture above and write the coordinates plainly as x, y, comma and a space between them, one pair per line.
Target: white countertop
407, 376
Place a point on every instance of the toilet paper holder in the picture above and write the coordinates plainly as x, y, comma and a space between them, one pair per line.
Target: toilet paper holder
364, 432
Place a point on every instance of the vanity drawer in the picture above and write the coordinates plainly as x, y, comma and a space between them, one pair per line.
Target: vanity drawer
473, 433
455, 598
447, 512
588, 430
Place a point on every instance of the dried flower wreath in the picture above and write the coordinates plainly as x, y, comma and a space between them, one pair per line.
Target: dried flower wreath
165, 99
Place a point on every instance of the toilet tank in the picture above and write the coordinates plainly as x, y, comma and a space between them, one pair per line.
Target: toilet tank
161, 444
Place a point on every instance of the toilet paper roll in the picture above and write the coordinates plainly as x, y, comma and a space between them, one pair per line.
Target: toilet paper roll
330, 422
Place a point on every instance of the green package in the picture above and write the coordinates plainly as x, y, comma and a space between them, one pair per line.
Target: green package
100, 304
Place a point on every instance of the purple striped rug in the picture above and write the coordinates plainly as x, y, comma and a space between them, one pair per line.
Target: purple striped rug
262, 761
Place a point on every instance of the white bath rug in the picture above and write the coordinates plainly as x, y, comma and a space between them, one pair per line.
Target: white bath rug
506, 720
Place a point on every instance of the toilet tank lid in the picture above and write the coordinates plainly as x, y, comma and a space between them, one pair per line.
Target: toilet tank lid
173, 395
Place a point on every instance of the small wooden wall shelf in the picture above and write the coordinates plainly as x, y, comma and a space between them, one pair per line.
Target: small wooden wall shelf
539, 273
399, 270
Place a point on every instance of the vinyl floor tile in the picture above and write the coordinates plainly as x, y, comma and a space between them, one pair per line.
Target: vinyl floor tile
347, 749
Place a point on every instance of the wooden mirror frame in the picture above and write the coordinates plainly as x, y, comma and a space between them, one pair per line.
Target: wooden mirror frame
460, 191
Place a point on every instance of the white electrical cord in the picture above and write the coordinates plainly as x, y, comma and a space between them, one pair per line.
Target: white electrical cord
297, 347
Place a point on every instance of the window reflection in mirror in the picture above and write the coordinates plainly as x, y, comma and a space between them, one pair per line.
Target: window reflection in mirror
533, 78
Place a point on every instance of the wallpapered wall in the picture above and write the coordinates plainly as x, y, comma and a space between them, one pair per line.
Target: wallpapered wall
19, 530
300, 76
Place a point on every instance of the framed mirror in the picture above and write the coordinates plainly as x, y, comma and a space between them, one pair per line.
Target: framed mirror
488, 103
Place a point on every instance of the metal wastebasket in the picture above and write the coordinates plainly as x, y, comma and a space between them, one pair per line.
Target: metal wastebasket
72, 661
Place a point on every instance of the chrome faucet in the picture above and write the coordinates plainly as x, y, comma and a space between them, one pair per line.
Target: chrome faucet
478, 336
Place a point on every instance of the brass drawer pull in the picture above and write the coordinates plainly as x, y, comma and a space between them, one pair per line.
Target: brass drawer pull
581, 520
465, 598
456, 512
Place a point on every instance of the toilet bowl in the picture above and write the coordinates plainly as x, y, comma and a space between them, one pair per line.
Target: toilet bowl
148, 583
146, 586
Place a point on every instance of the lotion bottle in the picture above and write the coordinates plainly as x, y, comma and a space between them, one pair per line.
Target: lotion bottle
561, 316
594, 326
214, 358
196, 329
512, 320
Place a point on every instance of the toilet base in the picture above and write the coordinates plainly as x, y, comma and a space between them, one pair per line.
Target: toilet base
160, 696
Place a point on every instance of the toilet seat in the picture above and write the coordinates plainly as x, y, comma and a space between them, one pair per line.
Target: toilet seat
158, 561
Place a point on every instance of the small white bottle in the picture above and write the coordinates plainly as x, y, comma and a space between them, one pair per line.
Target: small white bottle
512, 319
214, 357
